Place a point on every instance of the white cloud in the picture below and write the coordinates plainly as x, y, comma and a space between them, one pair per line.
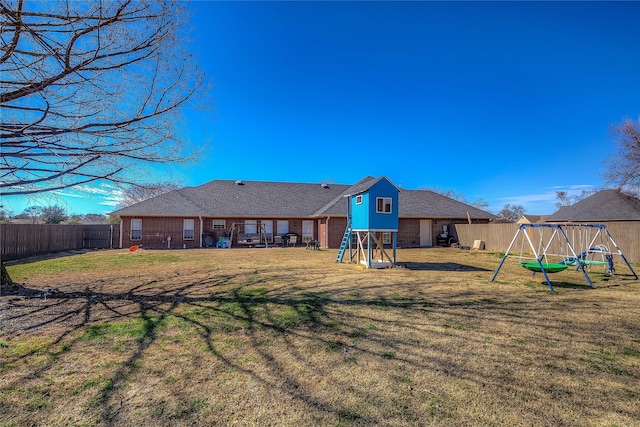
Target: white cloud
103, 194
573, 187
95, 190
109, 202
62, 193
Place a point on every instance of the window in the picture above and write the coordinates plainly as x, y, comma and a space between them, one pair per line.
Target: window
283, 227
383, 204
386, 238
136, 229
219, 224
188, 229
307, 230
250, 226
359, 200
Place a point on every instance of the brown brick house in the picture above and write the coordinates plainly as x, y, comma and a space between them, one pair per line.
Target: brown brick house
198, 216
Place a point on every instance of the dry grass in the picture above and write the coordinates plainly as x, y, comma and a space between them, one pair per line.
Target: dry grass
287, 337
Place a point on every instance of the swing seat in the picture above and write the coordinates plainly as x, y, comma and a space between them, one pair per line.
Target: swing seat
593, 262
548, 267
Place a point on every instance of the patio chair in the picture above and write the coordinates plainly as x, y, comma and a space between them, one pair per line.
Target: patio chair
292, 240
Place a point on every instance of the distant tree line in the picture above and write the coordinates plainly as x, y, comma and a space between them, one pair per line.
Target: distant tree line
54, 214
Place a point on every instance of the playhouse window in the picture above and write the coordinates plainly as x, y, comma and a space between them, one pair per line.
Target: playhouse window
188, 229
386, 238
383, 204
219, 224
359, 200
136, 229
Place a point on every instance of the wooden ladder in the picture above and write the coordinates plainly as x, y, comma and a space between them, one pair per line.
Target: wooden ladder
346, 238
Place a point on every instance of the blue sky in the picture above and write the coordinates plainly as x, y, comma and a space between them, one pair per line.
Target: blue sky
507, 102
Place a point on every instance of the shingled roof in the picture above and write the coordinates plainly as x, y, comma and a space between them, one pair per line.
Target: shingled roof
605, 205
226, 198
429, 204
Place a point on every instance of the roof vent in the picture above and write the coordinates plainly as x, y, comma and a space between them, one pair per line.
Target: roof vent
238, 182
323, 185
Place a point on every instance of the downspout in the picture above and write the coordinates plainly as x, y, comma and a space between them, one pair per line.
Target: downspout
200, 217
121, 227
326, 233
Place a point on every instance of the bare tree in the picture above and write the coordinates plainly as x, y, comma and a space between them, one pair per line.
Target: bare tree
33, 213
138, 193
564, 199
91, 91
5, 215
479, 203
623, 168
511, 212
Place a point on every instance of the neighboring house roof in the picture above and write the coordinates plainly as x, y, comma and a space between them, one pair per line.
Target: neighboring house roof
226, 198
531, 219
21, 221
605, 205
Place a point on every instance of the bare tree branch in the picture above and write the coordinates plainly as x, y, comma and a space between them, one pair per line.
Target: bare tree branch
138, 193
623, 168
11, 48
93, 90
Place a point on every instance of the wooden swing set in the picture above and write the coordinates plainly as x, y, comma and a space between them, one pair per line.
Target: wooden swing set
592, 240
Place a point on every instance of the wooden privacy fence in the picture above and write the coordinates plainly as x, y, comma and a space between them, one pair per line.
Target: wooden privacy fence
497, 237
24, 240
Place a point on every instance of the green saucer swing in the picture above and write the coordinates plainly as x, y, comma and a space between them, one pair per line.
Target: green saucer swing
549, 267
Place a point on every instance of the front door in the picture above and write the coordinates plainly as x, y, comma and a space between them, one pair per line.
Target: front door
426, 239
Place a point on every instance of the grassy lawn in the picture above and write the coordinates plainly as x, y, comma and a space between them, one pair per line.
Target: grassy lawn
287, 337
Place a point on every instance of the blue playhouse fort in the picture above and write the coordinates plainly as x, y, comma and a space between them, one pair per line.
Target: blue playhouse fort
372, 222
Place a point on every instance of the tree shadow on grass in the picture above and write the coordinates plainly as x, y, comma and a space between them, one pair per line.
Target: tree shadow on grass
247, 308
598, 280
440, 266
252, 307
